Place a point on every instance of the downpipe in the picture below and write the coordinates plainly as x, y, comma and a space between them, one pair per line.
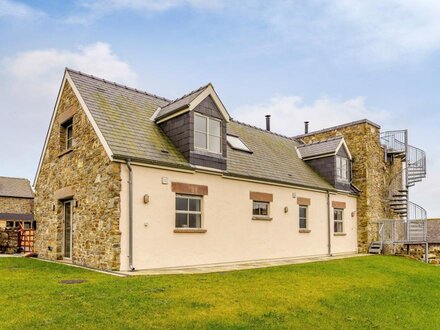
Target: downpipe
329, 223
130, 215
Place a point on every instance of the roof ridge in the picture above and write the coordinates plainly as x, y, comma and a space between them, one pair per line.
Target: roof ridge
351, 123
188, 94
323, 141
12, 177
119, 85
263, 130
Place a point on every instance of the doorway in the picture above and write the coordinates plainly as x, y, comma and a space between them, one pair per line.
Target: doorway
68, 229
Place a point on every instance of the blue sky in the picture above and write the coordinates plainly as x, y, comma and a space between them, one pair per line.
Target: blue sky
326, 61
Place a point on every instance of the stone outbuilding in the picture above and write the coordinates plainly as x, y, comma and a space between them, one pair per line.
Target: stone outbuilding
16, 203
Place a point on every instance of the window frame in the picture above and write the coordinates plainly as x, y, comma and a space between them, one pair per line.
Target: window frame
69, 141
339, 169
306, 218
261, 216
188, 212
338, 221
208, 135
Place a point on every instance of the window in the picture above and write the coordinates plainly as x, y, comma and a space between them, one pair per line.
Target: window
207, 133
66, 135
69, 136
338, 220
236, 143
188, 211
23, 224
303, 217
342, 168
260, 208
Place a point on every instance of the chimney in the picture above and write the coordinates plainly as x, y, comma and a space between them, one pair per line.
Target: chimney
306, 127
267, 122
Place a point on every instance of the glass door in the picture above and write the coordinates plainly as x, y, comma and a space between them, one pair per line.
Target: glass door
68, 221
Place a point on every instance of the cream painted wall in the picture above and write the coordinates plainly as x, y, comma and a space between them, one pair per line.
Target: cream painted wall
231, 234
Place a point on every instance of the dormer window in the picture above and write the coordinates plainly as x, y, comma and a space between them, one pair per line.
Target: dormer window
342, 168
207, 133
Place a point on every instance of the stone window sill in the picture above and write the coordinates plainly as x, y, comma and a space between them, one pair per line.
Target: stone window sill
339, 234
190, 230
65, 152
261, 217
304, 231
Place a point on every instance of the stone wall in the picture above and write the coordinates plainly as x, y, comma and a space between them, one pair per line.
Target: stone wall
433, 230
418, 252
371, 174
16, 205
96, 183
8, 240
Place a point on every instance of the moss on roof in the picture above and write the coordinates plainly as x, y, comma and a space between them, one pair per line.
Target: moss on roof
123, 117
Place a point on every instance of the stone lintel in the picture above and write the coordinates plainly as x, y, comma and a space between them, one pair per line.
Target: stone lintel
189, 189
66, 115
303, 201
338, 205
65, 193
260, 196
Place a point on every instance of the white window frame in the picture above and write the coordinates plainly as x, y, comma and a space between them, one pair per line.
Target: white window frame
337, 221
188, 212
261, 215
342, 175
306, 218
208, 133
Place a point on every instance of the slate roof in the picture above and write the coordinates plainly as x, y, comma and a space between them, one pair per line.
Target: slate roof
319, 148
15, 187
123, 117
180, 103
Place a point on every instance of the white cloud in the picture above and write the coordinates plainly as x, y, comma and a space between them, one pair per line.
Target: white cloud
373, 31
40, 71
150, 5
29, 83
97, 9
16, 9
290, 112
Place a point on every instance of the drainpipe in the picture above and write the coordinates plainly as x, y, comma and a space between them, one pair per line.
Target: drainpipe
329, 224
130, 215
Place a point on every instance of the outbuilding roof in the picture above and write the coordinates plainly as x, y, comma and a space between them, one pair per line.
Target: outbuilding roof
15, 187
123, 116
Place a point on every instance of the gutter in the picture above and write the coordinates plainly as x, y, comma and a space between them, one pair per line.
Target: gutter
329, 224
130, 215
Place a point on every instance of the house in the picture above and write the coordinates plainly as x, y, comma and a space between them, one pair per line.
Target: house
16, 203
130, 180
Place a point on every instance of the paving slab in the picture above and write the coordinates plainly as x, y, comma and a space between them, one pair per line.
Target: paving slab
227, 267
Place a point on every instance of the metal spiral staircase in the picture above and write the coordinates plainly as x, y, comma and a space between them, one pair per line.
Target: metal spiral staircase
413, 159
412, 226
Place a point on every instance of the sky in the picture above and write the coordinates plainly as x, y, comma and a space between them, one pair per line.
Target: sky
324, 61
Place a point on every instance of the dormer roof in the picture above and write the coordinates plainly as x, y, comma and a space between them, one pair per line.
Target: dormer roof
188, 102
326, 148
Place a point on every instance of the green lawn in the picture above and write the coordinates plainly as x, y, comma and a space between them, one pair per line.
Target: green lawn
366, 292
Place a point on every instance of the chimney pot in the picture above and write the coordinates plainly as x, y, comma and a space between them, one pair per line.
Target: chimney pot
306, 127
267, 122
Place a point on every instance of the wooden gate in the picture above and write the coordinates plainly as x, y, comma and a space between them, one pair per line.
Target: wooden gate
26, 238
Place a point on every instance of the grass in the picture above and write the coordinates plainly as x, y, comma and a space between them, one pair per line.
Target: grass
367, 292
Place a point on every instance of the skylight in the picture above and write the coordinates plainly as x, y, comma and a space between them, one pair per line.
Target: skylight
236, 143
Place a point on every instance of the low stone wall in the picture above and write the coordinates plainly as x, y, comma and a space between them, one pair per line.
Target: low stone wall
8, 241
418, 252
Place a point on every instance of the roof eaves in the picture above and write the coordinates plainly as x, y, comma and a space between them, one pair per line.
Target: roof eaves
292, 184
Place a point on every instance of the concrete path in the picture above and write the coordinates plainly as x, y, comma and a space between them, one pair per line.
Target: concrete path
237, 266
